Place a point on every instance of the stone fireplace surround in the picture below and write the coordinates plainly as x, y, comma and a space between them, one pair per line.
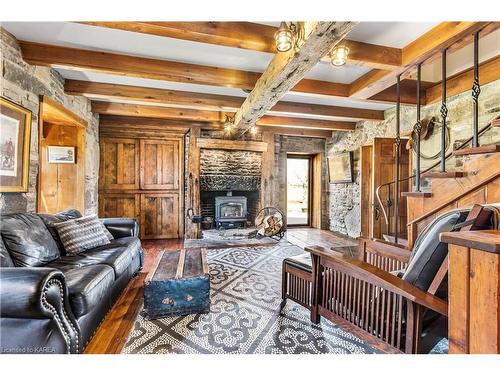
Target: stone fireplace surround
230, 170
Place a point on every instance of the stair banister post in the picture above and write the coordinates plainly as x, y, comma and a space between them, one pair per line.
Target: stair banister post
418, 129
398, 151
476, 90
444, 112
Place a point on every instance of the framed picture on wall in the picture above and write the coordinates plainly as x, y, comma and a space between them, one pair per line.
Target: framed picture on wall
340, 168
61, 154
15, 134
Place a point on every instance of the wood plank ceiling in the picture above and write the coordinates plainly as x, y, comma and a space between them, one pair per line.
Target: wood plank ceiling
297, 92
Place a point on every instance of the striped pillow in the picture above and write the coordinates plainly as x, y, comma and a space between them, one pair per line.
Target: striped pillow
81, 234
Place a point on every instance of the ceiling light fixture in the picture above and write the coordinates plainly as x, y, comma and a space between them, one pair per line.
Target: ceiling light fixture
339, 55
228, 124
288, 35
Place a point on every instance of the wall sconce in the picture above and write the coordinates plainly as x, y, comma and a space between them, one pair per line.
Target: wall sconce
288, 35
339, 55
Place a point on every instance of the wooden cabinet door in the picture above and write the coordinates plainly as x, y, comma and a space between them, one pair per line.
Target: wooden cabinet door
119, 164
119, 205
160, 164
160, 215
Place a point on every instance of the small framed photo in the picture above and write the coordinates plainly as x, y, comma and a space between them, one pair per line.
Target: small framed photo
340, 168
61, 154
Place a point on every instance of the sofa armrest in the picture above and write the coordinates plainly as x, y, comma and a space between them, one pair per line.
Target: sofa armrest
122, 227
38, 293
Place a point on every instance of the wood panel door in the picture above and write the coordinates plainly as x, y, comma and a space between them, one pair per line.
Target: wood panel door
160, 215
119, 168
384, 171
160, 168
366, 190
119, 205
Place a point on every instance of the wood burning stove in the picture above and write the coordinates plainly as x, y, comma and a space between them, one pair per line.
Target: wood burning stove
230, 212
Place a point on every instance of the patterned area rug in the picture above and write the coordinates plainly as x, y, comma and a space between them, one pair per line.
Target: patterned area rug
244, 315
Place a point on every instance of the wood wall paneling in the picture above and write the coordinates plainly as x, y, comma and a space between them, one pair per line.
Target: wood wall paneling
142, 177
119, 167
160, 215
60, 186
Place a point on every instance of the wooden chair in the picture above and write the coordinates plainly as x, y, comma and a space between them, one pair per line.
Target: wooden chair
366, 296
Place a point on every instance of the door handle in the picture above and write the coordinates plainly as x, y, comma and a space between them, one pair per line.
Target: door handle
376, 211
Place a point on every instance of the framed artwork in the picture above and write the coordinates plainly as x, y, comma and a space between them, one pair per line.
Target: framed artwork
15, 134
61, 154
340, 168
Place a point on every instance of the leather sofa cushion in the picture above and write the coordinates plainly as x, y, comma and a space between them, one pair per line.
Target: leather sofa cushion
428, 252
51, 219
118, 255
28, 240
302, 262
88, 286
5, 259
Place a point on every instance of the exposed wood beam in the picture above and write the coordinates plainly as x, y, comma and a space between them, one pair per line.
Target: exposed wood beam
408, 91
489, 71
327, 110
223, 144
207, 101
211, 117
133, 66
306, 123
442, 36
152, 95
251, 36
287, 68
137, 110
138, 123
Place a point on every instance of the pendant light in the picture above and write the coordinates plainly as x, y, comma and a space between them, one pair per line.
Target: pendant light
283, 38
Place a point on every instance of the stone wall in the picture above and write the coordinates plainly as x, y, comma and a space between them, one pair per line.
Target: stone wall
23, 84
345, 198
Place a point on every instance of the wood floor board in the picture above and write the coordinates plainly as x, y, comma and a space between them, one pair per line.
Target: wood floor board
113, 332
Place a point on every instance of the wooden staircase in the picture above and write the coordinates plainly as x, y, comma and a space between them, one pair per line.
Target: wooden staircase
479, 182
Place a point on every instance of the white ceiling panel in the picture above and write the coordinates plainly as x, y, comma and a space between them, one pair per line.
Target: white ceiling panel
124, 42
391, 34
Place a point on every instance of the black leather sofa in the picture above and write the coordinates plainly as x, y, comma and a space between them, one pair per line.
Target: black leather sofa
51, 302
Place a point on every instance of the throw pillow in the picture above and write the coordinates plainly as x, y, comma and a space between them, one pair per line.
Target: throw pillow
81, 234
106, 231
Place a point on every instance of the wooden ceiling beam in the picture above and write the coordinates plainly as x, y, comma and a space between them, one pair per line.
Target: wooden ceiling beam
109, 122
489, 71
252, 36
133, 66
207, 101
211, 117
442, 36
286, 69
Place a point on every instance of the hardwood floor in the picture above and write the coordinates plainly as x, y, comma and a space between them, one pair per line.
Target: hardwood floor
114, 330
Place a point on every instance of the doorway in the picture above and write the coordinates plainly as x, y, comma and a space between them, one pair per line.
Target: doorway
298, 190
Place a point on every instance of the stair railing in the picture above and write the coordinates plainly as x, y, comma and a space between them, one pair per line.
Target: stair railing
389, 202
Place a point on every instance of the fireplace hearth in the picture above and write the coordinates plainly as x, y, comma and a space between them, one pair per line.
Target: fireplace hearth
230, 186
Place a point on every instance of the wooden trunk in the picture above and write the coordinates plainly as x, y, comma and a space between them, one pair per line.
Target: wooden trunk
179, 284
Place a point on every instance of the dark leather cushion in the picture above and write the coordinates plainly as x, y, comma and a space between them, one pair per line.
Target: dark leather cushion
121, 227
51, 219
428, 252
5, 259
118, 255
28, 240
302, 262
88, 286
